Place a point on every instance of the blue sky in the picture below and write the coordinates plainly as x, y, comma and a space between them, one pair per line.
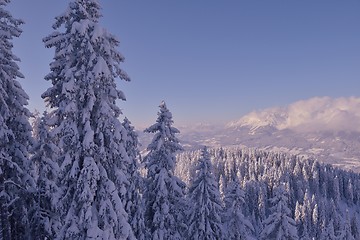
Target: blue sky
211, 61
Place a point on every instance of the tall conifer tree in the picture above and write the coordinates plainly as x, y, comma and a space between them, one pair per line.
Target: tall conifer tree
44, 218
164, 198
85, 124
237, 225
279, 225
133, 198
16, 184
205, 221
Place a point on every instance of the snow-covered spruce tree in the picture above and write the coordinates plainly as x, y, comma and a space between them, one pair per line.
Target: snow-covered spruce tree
164, 197
238, 227
205, 205
44, 218
346, 232
16, 184
134, 204
85, 125
279, 225
328, 232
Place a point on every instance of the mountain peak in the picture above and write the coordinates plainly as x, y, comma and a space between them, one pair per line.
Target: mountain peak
315, 114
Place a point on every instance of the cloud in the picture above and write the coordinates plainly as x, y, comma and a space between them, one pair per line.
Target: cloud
315, 114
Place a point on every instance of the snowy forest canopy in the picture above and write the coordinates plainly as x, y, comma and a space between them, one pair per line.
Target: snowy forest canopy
322, 200
77, 172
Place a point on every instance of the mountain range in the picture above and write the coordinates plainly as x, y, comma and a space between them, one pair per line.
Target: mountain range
324, 128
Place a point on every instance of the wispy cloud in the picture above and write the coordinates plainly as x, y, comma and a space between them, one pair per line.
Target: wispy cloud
315, 114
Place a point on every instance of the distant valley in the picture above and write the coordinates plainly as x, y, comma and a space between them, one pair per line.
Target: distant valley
322, 128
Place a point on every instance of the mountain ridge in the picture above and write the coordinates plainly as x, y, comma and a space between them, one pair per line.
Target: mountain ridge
323, 128
322, 113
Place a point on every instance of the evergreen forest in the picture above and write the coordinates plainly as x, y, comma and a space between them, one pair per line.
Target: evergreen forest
76, 171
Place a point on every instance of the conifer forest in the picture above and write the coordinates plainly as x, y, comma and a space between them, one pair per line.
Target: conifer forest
76, 170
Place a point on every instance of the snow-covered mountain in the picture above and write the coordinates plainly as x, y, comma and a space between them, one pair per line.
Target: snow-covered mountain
325, 128
315, 114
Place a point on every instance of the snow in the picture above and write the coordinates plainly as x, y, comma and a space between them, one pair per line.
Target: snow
69, 85
80, 27
341, 148
97, 33
18, 186
315, 114
101, 68
164, 195
99, 185
88, 137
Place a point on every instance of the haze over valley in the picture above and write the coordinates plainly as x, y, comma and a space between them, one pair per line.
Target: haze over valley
323, 128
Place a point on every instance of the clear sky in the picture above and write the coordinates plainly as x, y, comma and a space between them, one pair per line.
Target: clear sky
211, 60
